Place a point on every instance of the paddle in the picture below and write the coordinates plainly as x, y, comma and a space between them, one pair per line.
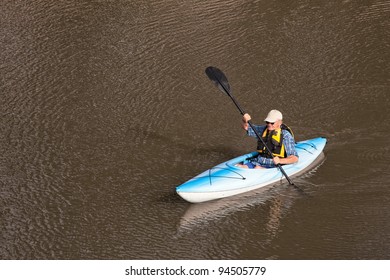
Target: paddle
220, 80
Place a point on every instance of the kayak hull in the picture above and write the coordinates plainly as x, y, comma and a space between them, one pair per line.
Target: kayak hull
226, 179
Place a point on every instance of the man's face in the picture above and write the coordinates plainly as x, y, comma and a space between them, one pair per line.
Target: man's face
273, 126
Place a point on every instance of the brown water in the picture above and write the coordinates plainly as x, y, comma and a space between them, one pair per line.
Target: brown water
105, 109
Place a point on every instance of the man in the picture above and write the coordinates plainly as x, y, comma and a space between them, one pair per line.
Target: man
278, 139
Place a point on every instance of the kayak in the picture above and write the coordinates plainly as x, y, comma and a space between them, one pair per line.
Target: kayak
227, 179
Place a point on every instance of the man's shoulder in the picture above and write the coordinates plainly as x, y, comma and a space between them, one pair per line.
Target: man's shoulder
287, 133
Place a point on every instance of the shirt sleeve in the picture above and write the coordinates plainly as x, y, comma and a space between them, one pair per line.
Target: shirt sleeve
258, 128
289, 144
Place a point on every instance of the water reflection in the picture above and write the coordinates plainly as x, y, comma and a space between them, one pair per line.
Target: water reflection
199, 214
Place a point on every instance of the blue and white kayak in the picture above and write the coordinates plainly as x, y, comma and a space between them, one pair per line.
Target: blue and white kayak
226, 179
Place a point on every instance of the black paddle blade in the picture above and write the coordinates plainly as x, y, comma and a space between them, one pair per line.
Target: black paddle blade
219, 79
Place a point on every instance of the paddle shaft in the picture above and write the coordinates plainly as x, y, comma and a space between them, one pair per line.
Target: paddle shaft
227, 91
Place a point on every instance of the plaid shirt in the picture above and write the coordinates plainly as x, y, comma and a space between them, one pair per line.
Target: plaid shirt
288, 142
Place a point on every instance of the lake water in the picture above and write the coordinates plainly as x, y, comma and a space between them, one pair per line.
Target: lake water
105, 109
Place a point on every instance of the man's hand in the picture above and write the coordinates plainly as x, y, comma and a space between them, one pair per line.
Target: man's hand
245, 119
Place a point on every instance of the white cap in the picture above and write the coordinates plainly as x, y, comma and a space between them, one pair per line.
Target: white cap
273, 116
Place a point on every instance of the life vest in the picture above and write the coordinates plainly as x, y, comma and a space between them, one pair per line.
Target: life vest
274, 141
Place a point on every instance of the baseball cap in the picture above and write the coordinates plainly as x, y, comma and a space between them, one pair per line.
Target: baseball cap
273, 116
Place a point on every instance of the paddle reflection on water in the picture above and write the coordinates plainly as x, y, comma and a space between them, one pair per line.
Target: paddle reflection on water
199, 214
275, 202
